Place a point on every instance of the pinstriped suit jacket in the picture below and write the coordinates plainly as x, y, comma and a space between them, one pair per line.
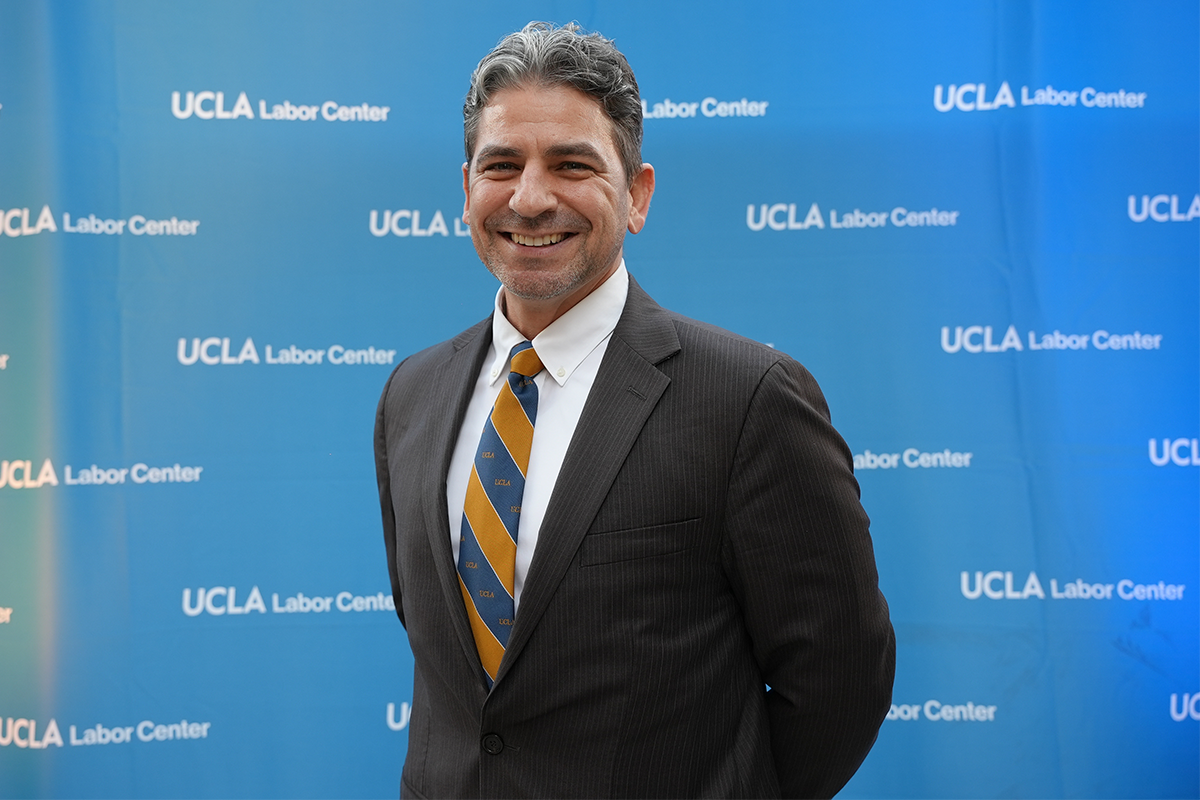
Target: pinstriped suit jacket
704, 538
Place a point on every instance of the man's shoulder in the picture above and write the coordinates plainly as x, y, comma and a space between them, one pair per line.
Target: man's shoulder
711, 348
658, 332
706, 360
423, 363
708, 338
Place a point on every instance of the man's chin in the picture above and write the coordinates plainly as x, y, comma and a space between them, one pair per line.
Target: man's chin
538, 286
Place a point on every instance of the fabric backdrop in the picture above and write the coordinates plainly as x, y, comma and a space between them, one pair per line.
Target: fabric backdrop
225, 222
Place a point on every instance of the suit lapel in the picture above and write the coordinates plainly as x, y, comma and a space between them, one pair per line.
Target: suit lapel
450, 389
627, 388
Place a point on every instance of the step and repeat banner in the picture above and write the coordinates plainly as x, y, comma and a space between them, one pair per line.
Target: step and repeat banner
223, 224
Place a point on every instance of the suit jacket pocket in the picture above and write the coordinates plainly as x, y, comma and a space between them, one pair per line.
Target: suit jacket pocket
609, 547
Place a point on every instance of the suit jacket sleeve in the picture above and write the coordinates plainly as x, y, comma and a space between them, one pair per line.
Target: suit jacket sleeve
383, 478
799, 556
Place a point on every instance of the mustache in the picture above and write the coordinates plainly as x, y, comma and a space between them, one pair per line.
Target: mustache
559, 219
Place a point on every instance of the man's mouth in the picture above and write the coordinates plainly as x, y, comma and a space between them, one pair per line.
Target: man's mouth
537, 241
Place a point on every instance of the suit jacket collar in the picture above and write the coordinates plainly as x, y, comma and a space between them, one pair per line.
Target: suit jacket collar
646, 327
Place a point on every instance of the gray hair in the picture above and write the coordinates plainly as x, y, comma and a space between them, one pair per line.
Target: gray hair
541, 54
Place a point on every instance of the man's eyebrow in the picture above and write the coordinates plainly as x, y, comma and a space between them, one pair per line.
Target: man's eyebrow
565, 150
497, 151
575, 149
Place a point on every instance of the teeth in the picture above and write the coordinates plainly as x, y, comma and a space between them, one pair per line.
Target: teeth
538, 241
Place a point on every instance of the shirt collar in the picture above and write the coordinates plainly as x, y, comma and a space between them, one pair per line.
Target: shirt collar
567, 341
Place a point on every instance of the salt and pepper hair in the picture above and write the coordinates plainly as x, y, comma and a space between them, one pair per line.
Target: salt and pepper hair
542, 55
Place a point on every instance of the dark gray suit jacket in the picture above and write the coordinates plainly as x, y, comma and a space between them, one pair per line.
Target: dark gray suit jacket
704, 538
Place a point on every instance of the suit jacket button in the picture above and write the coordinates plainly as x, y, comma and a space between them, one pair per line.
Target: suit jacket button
493, 744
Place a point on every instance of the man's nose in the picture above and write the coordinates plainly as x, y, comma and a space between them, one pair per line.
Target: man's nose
534, 194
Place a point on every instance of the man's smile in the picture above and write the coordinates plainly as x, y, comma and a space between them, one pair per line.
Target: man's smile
537, 241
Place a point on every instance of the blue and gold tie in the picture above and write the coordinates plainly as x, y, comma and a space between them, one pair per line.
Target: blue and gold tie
487, 550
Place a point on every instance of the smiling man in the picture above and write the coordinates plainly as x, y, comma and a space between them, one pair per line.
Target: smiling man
627, 546
550, 199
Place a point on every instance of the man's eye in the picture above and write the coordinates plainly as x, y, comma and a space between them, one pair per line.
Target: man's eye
574, 165
500, 166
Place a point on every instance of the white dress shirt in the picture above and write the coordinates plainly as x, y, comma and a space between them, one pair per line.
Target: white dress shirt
571, 349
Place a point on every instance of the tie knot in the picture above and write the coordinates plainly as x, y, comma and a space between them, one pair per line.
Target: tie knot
525, 361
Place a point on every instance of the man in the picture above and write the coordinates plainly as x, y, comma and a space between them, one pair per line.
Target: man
631, 559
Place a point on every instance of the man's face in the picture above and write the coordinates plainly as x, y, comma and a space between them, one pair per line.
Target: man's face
546, 194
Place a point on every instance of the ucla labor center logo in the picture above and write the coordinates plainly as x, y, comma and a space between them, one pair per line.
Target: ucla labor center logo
206, 105
974, 97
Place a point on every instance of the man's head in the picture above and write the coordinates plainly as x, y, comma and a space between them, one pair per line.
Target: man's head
553, 178
540, 54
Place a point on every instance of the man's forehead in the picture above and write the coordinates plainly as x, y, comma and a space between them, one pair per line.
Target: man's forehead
552, 96
513, 103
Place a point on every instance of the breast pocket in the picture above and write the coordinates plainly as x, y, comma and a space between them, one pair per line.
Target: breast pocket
610, 547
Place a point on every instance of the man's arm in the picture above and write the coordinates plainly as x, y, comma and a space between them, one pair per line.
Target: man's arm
799, 556
383, 478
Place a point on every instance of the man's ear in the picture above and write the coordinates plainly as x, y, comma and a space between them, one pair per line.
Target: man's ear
640, 192
466, 215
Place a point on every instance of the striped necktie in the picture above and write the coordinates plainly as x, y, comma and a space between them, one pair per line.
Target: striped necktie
487, 550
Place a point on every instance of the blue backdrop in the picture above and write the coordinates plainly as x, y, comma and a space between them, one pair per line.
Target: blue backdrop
224, 223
